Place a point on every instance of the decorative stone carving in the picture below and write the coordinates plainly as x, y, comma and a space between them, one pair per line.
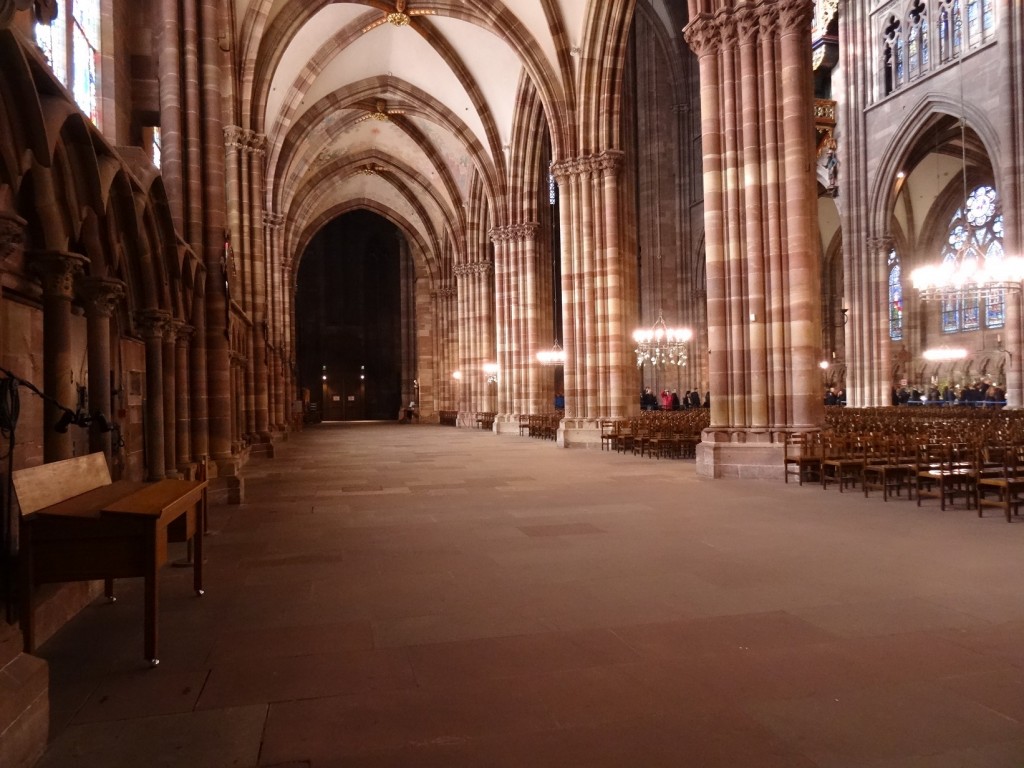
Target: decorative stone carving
58, 270
514, 232
769, 21
12, 232
607, 162
273, 220
795, 15
748, 24
881, 244
703, 36
234, 137
152, 322
101, 295
256, 143
473, 268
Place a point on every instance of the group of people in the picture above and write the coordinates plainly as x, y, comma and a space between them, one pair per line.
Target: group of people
981, 392
669, 400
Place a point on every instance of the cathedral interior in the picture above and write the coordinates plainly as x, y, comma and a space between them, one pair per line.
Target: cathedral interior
227, 222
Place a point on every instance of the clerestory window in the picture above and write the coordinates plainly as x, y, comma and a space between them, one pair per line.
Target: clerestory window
72, 46
975, 236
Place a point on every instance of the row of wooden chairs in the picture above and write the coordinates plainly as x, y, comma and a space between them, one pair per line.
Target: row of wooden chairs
657, 434
928, 461
544, 425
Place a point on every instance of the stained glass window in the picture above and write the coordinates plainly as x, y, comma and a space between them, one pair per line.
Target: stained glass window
552, 186
156, 147
975, 235
895, 298
71, 45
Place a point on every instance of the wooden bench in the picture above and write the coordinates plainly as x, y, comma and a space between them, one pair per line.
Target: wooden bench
77, 525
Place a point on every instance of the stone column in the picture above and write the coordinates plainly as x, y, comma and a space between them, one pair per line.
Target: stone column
476, 336
151, 324
218, 375
763, 266
169, 385
199, 426
58, 271
100, 297
182, 441
593, 277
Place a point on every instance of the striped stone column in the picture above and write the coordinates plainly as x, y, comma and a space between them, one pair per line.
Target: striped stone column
100, 297
476, 338
220, 402
183, 443
280, 408
151, 324
58, 271
593, 279
169, 358
763, 271
869, 361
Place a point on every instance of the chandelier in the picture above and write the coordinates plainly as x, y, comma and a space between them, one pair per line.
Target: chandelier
661, 345
968, 275
968, 278
553, 356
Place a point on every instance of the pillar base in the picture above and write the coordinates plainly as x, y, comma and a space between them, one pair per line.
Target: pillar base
24, 702
739, 453
506, 424
579, 433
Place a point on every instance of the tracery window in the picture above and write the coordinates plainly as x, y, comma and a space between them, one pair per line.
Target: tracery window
910, 29
895, 298
975, 235
72, 46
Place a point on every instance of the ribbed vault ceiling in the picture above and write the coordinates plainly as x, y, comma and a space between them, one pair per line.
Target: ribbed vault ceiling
355, 108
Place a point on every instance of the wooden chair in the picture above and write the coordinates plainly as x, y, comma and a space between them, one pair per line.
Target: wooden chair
1006, 490
802, 456
943, 473
842, 461
894, 471
609, 430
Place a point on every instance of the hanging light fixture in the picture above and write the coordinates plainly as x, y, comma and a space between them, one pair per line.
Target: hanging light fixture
553, 356
661, 345
970, 275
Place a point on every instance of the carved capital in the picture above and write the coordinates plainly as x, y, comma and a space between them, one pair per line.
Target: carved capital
769, 19
515, 232
101, 295
234, 137
58, 270
152, 323
273, 220
795, 16
472, 268
184, 332
702, 35
748, 24
12, 232
607, 162
257, 143
881, 244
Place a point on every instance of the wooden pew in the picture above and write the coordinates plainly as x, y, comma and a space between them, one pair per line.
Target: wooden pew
77, 525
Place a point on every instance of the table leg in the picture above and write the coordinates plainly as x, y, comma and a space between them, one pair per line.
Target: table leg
108, 590
151, 596
28, 615
197, 537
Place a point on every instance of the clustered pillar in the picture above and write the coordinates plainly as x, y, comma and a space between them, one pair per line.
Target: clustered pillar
58, 271
593, 275
763, 272
476, 298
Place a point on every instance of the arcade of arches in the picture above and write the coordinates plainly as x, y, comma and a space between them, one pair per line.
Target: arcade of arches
220, 216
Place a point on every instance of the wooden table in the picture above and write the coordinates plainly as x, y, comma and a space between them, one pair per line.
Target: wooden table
115, 531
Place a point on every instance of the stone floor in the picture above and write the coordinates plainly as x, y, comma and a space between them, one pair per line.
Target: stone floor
429, 596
